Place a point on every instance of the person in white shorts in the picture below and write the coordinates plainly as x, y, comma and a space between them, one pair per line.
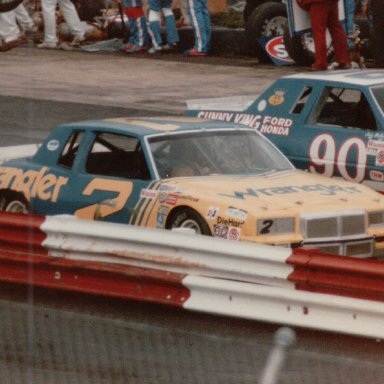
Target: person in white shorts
71, 17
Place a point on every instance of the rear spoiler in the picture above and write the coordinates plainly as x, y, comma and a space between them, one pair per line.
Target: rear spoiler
229, 103
17, 152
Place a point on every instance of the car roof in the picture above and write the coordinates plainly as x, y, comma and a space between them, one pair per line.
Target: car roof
144, 126
356, 77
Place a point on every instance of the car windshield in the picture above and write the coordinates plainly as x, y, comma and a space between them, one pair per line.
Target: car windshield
378, 92
218, 152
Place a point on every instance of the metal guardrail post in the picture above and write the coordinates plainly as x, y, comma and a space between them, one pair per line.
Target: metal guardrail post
283, 339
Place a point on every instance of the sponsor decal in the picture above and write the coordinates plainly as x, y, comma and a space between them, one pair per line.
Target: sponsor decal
40, 184
52, 145
327, 190
277, 98
380, 158
239, 118
220, 231
226, 232
231, 222
262, 105
171, 199
148, 194
373, 146
275, 48
234, 234
376, 175
212, 213
238, 213
163, 210
278, 126
160, 221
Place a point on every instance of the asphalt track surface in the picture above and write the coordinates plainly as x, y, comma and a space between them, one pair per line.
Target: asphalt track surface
52, 337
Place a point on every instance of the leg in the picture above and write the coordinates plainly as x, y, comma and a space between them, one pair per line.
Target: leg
49, 17
170, 23
154, 23
339, 40
71, 18
23, 18
319, 13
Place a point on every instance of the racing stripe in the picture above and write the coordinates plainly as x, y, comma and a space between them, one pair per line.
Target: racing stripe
140, 203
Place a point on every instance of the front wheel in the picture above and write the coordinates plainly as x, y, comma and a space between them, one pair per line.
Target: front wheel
8, 5
188, 218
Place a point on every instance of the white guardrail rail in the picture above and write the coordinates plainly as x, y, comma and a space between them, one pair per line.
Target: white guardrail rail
301, 288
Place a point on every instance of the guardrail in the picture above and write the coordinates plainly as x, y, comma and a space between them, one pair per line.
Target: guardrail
273, 284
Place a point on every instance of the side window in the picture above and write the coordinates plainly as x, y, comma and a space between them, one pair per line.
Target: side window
67, 157
302, 100
118, 156
345, 108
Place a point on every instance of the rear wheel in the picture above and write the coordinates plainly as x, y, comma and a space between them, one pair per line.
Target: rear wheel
13, 202
188, 218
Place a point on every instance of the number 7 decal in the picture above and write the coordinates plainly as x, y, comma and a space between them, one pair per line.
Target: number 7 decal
105, 207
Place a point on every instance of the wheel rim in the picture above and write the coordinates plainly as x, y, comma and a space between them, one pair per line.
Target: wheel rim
17, 207
275, 26
192, 225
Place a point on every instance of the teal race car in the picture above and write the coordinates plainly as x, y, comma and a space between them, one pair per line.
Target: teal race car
330, 123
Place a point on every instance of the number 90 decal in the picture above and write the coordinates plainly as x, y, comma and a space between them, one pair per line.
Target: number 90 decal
324, 159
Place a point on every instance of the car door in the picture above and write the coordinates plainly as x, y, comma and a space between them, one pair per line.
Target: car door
107, 172
336, 136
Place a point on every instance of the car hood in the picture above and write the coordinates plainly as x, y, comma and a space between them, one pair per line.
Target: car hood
293, 189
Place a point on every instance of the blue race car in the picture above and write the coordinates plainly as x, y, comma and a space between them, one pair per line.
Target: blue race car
329, 123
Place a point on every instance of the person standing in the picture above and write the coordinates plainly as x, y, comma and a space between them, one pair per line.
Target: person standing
138, 31
201, 24
71, 17
325, 14
154, 18
11, 36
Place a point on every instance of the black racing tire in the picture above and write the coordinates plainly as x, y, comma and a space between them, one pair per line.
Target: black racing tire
8, 5
266, 20
251, 5
188, 218
14, 202
301, 48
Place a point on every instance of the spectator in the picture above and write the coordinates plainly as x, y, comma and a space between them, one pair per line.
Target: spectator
350, 21
10, 33
138, 37
325, 14
377, 7
71, 17
24, 20
154, 18
201, 24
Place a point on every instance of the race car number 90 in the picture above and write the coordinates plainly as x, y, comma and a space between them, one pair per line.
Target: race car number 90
324, 157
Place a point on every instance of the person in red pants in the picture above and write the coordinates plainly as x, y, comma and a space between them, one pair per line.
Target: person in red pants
325, 14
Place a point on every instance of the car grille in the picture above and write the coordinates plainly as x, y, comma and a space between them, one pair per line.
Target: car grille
340, 233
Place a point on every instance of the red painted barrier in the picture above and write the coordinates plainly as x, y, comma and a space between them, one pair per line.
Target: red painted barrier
120, 281
337, 275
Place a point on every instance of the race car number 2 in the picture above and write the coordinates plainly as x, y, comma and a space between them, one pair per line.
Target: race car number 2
325, 159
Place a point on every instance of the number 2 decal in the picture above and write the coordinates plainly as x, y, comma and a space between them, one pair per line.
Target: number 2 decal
266, 228
324, 158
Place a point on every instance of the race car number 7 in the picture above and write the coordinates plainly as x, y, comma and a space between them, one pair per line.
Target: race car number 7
324, 157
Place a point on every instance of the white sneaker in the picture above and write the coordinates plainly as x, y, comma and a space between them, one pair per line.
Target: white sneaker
77, 40
46, 45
